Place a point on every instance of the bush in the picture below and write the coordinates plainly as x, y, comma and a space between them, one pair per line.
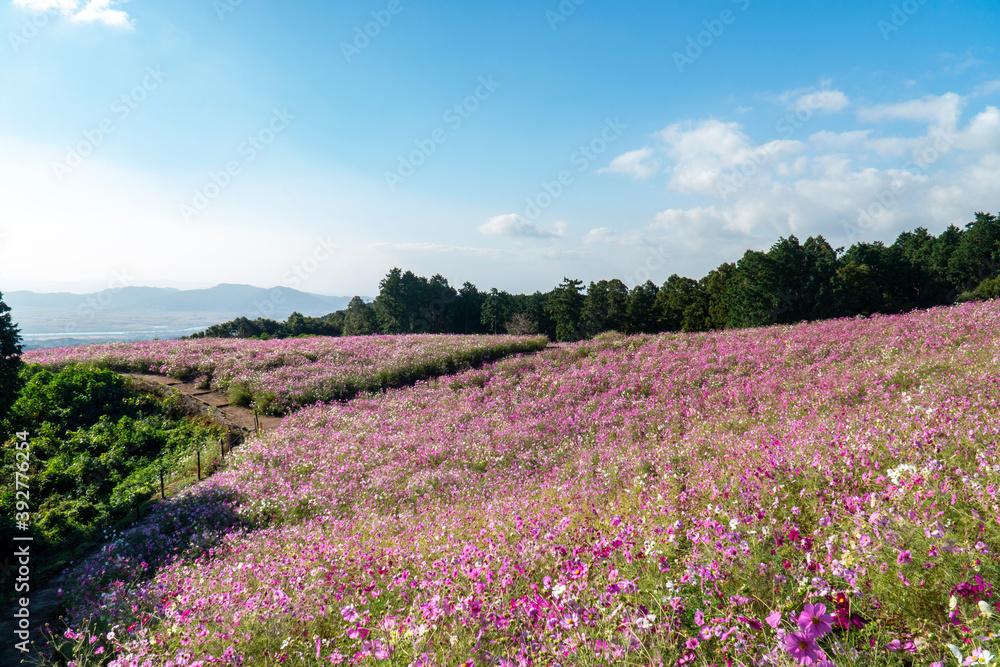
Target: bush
988, 289
96, 448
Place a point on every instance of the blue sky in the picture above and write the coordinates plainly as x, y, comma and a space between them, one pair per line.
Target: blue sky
318, 145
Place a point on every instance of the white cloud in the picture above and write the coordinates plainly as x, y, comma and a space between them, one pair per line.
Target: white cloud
944, 110
840, 141
637, 164
982, 134
95, 11
814, 99
987, 88
511, 224
852, 185
99, 11
706, 153
702, 152
826, 101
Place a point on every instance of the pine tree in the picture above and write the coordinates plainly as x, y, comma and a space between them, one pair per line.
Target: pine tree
10, 358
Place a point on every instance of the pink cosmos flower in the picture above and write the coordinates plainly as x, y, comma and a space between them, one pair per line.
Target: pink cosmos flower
349, 613
802, 648
814, 621
904, 557
774, 619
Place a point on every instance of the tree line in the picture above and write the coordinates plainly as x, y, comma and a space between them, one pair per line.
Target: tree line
789, 283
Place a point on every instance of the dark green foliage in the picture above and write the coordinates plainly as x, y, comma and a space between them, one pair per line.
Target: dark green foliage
565, 305
496, 311
297, 324
605, 308
10, 358
408, 303
96, 448
681, 305
466, 318
640, 312
359, 319
977, 256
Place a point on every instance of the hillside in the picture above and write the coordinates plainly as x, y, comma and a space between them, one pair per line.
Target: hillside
786, 494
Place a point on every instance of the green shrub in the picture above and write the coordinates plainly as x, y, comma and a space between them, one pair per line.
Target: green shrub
96, 449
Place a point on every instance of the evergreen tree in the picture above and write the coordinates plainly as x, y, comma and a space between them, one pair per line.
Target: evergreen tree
754, 298
604, 307
716, 287
677, 305
977, 256
10, 358
437, 310
496, 310
565, 304
467, 311
640, 312
390, 306
359, 319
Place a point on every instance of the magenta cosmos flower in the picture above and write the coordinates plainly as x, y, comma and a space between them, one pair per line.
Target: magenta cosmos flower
814, 622
803, 648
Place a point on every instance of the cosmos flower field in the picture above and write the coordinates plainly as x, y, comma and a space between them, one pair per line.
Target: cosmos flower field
282, 374
816, 494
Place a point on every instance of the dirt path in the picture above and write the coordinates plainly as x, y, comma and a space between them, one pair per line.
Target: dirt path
45, 603
214, 404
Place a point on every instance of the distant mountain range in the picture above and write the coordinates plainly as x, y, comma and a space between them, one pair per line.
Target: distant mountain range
144, 313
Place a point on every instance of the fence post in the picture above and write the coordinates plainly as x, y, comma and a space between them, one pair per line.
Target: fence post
163, 494
198, 452
222, 449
